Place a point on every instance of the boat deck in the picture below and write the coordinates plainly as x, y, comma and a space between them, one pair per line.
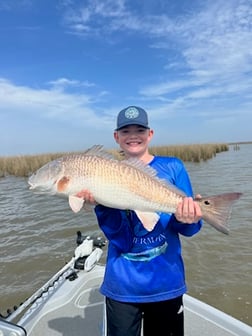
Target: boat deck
76, 308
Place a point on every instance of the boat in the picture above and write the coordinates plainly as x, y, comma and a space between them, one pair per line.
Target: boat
70, 304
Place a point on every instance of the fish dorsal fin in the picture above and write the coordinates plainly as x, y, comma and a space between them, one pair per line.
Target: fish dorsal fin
140, 165
94, 150
97, 150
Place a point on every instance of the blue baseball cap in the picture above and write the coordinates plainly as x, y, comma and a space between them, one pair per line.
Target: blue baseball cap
132, 115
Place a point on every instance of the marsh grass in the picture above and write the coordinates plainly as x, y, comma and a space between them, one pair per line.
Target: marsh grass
27, 164
24, 165
191, 153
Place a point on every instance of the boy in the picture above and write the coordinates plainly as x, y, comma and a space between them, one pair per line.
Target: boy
144, 277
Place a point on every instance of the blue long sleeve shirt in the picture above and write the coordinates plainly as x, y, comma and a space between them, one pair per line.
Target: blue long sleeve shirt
145, 266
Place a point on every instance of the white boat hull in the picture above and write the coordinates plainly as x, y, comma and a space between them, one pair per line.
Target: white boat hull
75, 308
70, 304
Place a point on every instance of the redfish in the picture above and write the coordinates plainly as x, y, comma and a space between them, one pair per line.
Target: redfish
126, 184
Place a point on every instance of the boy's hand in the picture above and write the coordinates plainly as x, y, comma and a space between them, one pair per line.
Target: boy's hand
188, 211
87, 196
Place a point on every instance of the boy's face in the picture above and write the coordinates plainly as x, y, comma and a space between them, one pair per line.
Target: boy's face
133, 140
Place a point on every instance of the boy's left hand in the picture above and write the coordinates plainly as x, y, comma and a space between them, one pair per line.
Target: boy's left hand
188, 211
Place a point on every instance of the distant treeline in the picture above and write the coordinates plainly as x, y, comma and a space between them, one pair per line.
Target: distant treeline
241, 143
26, 164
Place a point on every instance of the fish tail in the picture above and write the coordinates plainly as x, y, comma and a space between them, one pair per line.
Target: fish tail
216, 210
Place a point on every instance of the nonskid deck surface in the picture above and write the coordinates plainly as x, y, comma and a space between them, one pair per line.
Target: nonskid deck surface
76, 309
73, 320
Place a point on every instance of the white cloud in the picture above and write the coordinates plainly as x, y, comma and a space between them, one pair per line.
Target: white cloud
214, 41
74, 108
168, 87
62, 83
217, 61
201, 71
91, 18
49, 120
221, 42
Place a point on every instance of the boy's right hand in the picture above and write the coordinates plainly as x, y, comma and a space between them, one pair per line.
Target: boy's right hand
86, 196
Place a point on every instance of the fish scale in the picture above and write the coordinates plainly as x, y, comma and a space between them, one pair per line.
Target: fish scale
123, 180
125, 184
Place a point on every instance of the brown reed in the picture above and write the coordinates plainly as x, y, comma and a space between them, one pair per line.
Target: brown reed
191, 153
27, 164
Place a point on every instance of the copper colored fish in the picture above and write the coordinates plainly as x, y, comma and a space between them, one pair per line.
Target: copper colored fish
127, 184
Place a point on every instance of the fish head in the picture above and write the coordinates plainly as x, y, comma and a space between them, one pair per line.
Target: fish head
47, 177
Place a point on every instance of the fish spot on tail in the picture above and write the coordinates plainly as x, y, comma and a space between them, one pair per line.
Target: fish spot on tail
216, 210
62, 183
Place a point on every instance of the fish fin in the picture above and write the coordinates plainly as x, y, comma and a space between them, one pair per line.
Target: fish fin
140, 165
148, 219
93, 149
97, 150
145, 168
216, 210
76, 203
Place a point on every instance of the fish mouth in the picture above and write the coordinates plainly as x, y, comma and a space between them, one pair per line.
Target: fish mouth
31, 185
41, 185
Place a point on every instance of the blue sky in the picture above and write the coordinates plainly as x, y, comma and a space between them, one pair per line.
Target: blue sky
68, 67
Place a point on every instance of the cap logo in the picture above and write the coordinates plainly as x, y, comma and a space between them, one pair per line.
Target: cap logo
131, 113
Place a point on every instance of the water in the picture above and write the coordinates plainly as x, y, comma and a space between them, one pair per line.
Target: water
37, 237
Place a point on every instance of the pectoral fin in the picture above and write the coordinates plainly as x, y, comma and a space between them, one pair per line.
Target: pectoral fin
76, 203
148, 219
